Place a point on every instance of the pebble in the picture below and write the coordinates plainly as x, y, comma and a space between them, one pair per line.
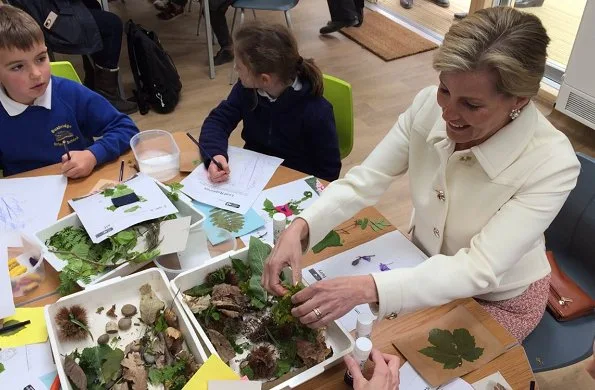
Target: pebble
128, 310
149, 359
136, 348
111, 327
103, 339
124, 323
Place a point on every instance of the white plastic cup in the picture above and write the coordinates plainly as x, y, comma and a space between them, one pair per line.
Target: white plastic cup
156, 153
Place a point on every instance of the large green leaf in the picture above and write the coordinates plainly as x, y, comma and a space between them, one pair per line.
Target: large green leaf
331, 239
258, 252
111, 359
451, 348
227, 220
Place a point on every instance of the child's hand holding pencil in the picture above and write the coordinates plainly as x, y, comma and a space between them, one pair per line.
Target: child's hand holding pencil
78, 163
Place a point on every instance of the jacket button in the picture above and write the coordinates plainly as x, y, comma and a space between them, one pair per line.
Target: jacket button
437, 232
391, 316
440, 195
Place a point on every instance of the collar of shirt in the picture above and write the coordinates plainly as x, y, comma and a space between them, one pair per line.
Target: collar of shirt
14, 108
296, 85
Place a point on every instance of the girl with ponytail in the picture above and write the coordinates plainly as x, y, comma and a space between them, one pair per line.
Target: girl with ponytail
278, 98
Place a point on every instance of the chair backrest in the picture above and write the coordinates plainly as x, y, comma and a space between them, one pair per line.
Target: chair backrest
64, 69
338, 93
561, 233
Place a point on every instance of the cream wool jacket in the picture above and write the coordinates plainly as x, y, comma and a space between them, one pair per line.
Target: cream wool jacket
479, 214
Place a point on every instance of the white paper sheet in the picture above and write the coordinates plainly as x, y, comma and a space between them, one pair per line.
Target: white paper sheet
249, 173
29, 365
280, 195
6, 299
389, 251
234, 385
409, 379
29, 204
101, 220
490, 382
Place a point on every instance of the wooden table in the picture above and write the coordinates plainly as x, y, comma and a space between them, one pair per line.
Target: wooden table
513, 364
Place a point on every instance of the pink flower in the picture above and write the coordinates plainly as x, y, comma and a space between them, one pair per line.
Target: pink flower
285, 210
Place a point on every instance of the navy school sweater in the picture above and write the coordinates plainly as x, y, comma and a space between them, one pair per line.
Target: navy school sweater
298, 127
33, 139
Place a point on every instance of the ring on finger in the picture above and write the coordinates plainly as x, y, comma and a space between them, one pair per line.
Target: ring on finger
317, 313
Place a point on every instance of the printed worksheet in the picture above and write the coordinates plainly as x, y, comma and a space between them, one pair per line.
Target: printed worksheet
290, 199
28, 205
114, 209
249, 173
390, 251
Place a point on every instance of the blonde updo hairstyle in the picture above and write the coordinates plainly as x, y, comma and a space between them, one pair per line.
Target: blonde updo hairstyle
511, 43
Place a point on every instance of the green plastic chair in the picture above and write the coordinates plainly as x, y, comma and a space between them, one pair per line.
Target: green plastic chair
338, 93
64, 69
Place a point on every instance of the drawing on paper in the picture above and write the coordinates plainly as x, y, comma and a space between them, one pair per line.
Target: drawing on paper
11, 213
290, 208
315, 184
230, 221
384, 267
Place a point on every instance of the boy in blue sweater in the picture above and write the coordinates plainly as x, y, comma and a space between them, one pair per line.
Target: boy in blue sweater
42, 116
279, 99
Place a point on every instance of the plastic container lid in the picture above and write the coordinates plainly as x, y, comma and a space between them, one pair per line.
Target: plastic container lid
363, 347
365, 321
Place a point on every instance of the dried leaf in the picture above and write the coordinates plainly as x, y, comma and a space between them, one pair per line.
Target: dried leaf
150, 305
222, 345
75, 373
134, 371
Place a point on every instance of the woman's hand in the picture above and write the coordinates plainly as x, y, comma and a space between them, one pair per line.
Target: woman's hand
81, 164
386, 372
591, 364
286, 253
327, 300
217, 175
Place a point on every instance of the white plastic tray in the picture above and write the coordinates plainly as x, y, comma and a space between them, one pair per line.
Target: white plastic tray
103, 295
185, 209
336, 336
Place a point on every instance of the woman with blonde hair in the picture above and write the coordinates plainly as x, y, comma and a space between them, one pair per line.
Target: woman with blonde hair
488, 173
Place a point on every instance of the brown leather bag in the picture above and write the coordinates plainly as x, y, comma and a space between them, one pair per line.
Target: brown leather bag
566, 300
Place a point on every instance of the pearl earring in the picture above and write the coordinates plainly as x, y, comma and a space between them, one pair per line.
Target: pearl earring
514, 113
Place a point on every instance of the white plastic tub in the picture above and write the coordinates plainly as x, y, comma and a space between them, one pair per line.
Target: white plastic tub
102, 295
183, 205
336, 336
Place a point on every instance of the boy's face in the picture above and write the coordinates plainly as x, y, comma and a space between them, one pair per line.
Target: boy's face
25, 74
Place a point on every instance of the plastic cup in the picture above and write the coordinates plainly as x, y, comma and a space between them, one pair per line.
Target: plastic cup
156, 153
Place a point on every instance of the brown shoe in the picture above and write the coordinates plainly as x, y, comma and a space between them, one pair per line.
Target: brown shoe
406, 3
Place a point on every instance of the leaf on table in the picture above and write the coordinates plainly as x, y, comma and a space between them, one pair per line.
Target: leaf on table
450, 348
331, 239
1, 368
14, 331
228, 220
150, 305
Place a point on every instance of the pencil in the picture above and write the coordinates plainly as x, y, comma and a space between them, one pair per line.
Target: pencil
121, 170
8, 328
66, 148
207, 155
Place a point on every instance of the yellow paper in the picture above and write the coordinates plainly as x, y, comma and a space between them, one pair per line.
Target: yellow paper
212, 369
35, 332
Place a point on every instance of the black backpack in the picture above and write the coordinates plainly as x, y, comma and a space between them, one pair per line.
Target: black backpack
155, 75
68, 26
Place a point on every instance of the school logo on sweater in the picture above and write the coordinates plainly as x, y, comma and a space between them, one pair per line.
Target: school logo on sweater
63, 134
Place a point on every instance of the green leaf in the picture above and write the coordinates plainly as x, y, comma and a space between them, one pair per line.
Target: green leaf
443, 340
199, 291
132, 209
283, 367
175, 186
80, 250
258, 252
241, 269
111, 208
378, 225
1, 368
216, 315
466, 345
108, 192
363, 223
331, 239
80, 325
247, 371
473, 354
15, 331
268, 205
448, 360
160, 324
256, 291
111, 359
125, 237
228, 220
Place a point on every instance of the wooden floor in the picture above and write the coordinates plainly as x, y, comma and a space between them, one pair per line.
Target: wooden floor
381, 90
561, 18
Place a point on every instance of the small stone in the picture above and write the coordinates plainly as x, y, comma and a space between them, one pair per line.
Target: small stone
111, 327
124, 323
103, 339
149, 359
128, 310
136, 347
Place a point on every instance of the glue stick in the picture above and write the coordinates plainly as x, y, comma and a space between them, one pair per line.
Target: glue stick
365, 321
361, 352
279, 223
